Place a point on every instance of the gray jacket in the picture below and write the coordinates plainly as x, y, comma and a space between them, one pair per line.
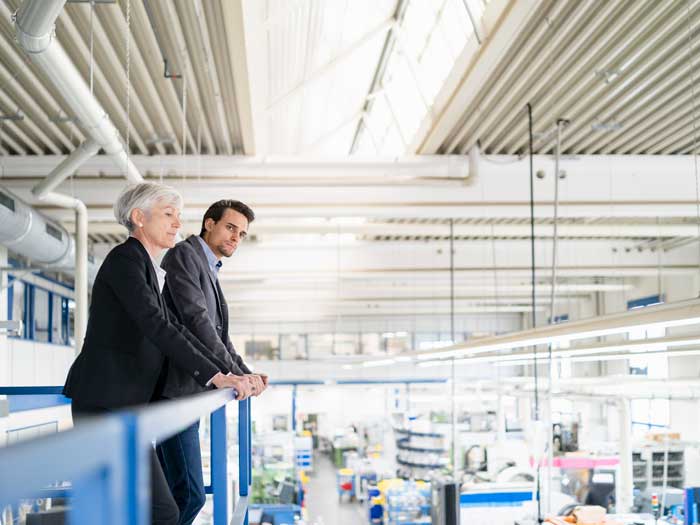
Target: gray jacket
193, 293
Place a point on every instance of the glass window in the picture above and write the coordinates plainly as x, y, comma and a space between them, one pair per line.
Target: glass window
653, 366
293, 346
17, 289
69, 321
371, 344
57, 320
263, 347
41, 315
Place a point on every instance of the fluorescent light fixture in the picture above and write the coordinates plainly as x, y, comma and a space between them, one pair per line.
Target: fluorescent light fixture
403, 359
380, 362
662, 316
347, 367
641, 346
611, 357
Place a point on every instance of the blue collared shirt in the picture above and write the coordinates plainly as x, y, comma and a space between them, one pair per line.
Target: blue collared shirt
214, 263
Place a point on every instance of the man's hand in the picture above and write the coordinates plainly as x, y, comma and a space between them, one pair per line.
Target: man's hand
264, 379
240, 383
256, 383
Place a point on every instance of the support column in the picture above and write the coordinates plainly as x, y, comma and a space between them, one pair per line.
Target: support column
624, 496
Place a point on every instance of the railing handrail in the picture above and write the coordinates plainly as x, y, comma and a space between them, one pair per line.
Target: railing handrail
118, 442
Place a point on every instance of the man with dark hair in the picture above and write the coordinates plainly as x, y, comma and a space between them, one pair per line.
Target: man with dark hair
193, 292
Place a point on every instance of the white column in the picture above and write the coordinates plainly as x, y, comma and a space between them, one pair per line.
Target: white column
625, 485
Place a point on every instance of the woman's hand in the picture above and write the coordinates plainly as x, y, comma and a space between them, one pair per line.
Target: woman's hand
241, 384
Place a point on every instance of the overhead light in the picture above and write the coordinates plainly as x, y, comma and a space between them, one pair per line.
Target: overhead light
667, 315
403, 359
611, 357
380, 362
632, 347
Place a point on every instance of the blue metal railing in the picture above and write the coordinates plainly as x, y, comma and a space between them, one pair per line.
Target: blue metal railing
107, 458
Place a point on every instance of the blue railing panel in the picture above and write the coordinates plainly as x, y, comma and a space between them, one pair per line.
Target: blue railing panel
108, 462
219, 471
93, 453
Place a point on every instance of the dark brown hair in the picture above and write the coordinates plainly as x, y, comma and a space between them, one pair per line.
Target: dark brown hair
216, 211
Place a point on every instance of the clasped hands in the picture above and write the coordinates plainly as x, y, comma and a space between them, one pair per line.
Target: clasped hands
246, 385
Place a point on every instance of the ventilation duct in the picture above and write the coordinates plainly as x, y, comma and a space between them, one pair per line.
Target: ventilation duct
29, 233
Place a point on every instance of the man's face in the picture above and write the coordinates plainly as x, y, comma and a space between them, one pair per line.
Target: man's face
224, 235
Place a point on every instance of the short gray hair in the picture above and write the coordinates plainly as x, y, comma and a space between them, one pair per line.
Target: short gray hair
143, 196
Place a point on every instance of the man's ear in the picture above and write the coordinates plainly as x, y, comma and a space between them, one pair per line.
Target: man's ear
209, 224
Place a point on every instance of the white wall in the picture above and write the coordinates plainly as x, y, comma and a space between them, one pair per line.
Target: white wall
29, 363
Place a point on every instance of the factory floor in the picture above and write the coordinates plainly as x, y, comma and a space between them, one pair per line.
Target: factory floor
323, 507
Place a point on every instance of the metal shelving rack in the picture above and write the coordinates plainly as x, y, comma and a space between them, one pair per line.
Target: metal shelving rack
650, 473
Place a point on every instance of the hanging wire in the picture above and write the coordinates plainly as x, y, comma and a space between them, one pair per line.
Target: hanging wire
128, 80
691, 65
92, 44
455, 454
534, 311
184, 115
2, 157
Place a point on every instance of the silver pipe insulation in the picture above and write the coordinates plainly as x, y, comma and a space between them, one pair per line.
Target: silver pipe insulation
34, 23
29, 233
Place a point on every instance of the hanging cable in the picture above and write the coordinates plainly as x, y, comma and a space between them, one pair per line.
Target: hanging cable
552, 315
534, 311
92, 45
691, 65
128, 81
455, 454
184, 116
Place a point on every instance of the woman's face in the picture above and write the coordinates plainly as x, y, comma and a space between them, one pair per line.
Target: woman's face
161, 224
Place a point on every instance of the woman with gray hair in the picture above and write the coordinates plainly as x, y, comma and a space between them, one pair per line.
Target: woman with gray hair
131, 337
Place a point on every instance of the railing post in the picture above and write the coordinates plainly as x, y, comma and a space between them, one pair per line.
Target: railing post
219, 466
244, 453
137, 465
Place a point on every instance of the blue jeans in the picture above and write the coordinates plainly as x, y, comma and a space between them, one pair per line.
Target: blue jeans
181, 459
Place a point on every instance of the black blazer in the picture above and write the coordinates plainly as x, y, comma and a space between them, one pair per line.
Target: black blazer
194, 295
131, 336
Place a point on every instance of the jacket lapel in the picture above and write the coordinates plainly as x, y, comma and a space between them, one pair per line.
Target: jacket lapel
149, 269
205, 263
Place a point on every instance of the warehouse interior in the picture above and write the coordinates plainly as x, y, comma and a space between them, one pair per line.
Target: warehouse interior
474, 274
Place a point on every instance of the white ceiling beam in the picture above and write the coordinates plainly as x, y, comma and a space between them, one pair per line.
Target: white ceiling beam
644, 106
586, 39
72, 40
195, 23
556, 103
18, 98
195, 99
148, 45
140, 76
9, 140
682, 135
504, 96
640, 121
35, 94
234, 29
268, 229
481, 62
648, 66
139, 116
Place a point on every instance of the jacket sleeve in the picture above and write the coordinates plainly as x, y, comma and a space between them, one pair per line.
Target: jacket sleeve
190, 304
236, 357
127, 280
224, 367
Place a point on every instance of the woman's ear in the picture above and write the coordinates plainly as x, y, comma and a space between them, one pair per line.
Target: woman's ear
137, 217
